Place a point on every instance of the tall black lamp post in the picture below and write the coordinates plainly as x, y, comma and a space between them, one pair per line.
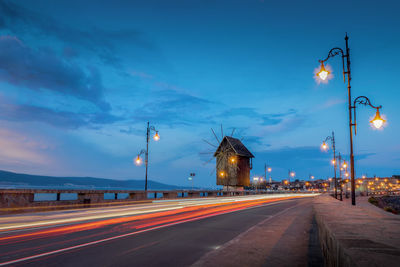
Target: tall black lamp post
138, 160
325, 147
323, 74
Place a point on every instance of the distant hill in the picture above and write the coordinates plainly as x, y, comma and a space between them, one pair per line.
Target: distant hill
20, 180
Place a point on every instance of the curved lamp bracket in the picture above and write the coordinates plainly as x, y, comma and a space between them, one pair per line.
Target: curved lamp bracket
362, 100
334, 52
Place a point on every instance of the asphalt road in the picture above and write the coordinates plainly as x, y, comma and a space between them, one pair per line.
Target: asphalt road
169, 233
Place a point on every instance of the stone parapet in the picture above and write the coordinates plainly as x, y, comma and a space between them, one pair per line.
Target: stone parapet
359, 235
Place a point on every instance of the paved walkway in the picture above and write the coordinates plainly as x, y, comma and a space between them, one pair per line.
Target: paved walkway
284, 239
361, 235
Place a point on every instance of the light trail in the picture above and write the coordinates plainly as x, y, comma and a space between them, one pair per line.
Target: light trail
106, 212
140, 222
119, 236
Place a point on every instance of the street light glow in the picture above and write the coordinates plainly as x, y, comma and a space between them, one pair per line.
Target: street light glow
156, 137
323, 73
269, 169
377, 121
292, 174
138, 160
324, 146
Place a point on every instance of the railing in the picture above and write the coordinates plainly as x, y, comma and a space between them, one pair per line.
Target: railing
39, 199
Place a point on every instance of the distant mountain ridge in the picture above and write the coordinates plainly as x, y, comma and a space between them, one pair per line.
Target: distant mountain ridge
20, 180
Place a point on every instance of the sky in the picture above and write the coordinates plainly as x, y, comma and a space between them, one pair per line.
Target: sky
80, 79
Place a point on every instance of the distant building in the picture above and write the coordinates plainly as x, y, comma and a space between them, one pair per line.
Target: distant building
233, 163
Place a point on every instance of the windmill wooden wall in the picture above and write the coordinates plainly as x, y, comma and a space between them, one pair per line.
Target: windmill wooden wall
235, 173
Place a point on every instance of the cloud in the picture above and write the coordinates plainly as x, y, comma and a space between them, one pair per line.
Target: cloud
330, 103
286, 124
101, 42
21, 150
265, 118
61, 119
39, 69
172, 107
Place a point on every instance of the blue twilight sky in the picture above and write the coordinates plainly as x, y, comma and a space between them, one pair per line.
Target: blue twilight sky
80, 79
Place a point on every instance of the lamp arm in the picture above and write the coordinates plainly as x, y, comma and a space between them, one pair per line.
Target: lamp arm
334, 52
152, 128
143, 151
362, 100
329, 138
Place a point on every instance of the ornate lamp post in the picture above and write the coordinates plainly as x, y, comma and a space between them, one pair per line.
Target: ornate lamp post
325, 147
269, 169
138, 160
378, 121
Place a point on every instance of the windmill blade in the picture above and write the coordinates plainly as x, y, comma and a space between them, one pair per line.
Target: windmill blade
215, 135
206, 153
211, 173
208, 161
233, 132
210, 143
222, 132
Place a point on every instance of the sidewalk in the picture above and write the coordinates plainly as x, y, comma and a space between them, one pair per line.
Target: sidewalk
361, 235
283, 239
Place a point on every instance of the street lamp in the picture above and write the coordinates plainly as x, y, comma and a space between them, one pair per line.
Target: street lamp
332, 139
377, 121
269, 169
138, 159
291, 174
255, 180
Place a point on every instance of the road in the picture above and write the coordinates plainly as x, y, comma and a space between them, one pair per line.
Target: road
162, 233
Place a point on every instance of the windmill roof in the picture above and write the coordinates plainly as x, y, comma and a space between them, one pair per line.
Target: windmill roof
237, 146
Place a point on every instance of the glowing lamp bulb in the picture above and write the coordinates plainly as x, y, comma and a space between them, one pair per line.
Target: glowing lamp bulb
269, 169
333, 162
222, 174
324, 146
138, 160
233, 160
292, 174
156, 137
323, 73
377, 122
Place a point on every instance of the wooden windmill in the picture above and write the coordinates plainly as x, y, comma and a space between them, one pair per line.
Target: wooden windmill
233, 164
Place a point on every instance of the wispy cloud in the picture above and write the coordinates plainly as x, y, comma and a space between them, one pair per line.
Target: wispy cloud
61, 119
42, 69
16, 19
172, 107
18, 149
